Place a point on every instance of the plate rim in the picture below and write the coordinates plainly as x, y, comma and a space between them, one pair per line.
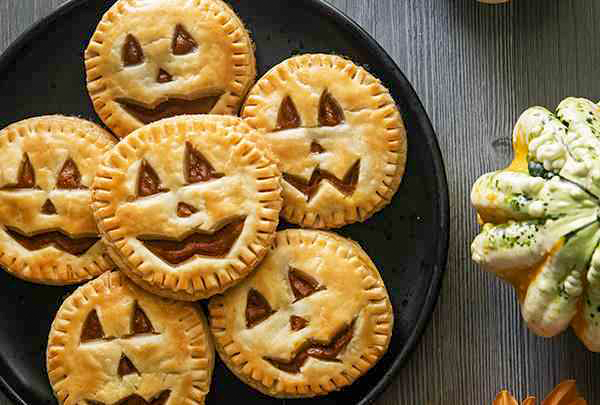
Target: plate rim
420, 114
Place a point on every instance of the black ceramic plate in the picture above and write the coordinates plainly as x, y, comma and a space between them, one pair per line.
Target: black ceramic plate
42, 73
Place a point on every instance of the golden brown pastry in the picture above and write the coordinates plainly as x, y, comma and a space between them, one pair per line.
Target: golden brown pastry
154, 59
188, 205
113, 343
338, 136
47, 230
313, 317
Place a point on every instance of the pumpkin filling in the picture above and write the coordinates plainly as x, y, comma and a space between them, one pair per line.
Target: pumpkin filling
25, 177
346, 186
140, 322
148, 181
217, 244
170, 108
183, 43
302, 284
330, 112
126, 367
297, 323
92, 328
132, 53
197, 168
73, 246
288, 117
324, 352
257, 309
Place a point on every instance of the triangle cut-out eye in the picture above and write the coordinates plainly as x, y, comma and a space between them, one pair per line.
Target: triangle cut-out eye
126, 367
140, 322
257, 308
288, 116
302, 284
25, 176
197, 168
330, 112
69, 177
132, 53
183, 43
148, 181
92, 328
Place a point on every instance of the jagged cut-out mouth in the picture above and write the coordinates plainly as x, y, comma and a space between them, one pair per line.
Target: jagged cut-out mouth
73, 246
216, 244
325, 352
170, 108
346, 185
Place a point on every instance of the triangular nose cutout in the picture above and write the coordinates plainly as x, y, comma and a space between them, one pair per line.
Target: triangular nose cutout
126, 367
48, 208
164, 76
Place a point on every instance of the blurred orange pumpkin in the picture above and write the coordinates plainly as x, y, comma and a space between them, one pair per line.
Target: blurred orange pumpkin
563, 394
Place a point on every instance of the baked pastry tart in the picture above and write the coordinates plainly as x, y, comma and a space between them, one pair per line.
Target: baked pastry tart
188, 205
113, 343
313, 317
155, 59
338, 137
564, 394
541, 229
47, 230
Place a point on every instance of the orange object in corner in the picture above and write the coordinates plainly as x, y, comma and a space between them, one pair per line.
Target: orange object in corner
564, 394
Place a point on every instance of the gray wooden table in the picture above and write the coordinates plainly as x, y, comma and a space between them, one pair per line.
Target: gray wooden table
476, 68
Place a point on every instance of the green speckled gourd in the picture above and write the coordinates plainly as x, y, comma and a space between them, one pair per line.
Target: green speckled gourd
541, 229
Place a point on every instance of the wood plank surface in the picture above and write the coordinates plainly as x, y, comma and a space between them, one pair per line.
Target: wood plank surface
476, 68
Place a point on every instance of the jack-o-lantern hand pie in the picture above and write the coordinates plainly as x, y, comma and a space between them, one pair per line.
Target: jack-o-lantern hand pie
155, 59
188, 205
313, 317
338, 136
47, 230
113, 343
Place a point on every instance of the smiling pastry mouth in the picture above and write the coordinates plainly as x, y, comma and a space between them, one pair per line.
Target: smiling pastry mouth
73, 246
324, 352
170, 108
346, 185
216, 244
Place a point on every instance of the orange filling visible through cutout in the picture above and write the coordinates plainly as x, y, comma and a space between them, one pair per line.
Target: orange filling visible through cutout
126, 367
302, 284
140, 322
217, 244
148, 181
73, 246
92, 329
330, 112
347, 185
26, 176
297, 323
197, 168
69, 177
183, 43
132, 53
257, 309
288, 116
170, 108
325, 352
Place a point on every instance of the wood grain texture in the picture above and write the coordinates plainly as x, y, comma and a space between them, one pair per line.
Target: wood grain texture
476, 67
